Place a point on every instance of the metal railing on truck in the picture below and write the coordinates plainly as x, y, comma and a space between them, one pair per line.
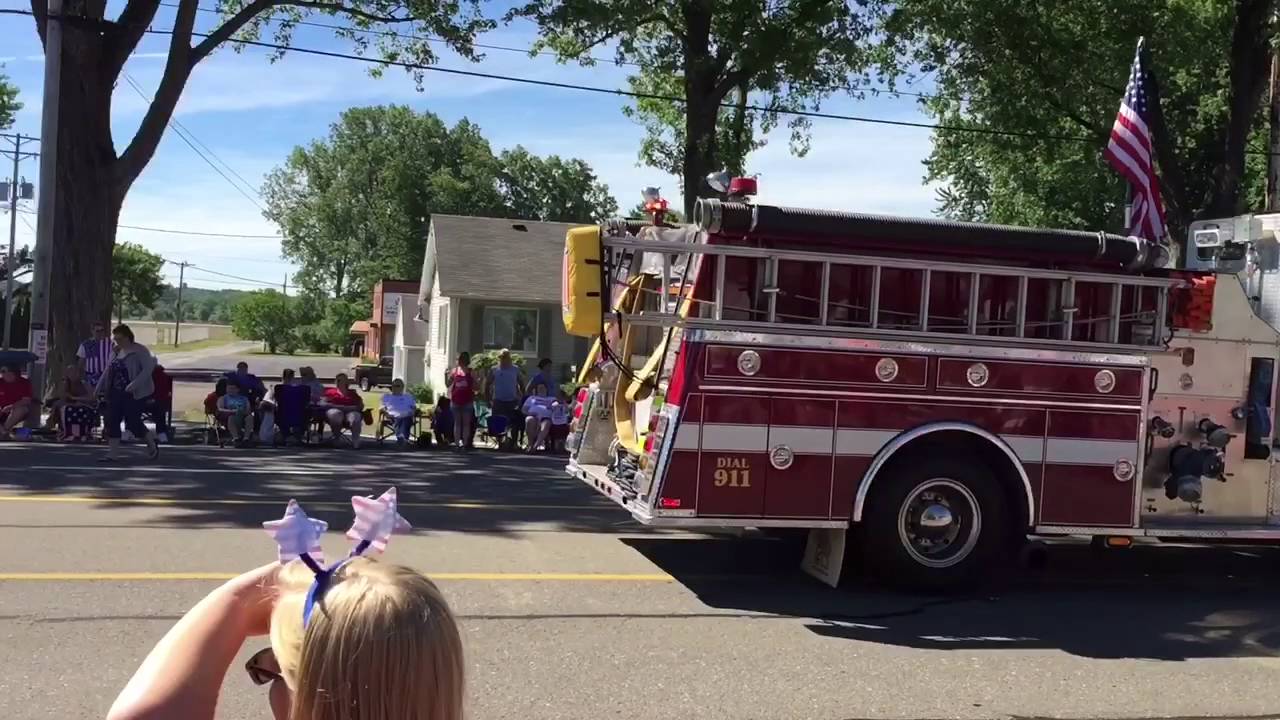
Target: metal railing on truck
670, 263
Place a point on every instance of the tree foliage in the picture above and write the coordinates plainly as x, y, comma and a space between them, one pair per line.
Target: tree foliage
266, 315
136, 277
9, 104
1055, 74
723, 59
552, 189
95, 173
354, 206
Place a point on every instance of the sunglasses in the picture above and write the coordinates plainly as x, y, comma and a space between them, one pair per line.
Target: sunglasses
263, 668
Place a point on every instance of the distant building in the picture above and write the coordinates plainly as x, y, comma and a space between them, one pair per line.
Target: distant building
488, 284
379, 331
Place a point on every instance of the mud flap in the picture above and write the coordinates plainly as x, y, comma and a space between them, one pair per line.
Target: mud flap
824, 554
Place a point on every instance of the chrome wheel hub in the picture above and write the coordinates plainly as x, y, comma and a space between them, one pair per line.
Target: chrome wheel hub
939, 522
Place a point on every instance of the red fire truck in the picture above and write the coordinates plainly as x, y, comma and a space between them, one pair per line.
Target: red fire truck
938, 391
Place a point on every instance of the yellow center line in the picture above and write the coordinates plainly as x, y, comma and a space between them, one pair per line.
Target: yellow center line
451, 505
188, 576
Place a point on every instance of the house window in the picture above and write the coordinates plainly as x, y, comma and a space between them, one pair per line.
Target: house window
442, 327
512, 328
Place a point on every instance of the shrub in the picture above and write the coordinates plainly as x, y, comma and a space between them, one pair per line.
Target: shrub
422, 393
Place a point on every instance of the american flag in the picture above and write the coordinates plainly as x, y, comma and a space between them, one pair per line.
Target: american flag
1129, 152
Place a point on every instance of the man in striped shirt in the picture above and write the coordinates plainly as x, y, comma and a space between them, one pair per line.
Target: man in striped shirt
95, 354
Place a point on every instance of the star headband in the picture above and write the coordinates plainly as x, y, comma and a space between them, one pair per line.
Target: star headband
298, 536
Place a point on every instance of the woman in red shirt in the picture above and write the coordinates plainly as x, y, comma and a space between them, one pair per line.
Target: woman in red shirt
343, 406
462, 395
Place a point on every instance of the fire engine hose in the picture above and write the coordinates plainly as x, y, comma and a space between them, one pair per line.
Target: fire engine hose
883, 232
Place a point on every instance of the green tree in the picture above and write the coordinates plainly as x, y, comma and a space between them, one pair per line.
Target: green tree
136, 278
95, 48
354, 206
266, 315
1049, 72
552, 189
9, 104
720, 57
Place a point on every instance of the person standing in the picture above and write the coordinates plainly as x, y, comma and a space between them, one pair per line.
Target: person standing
462, 396
94, 355
545, 378
504, 392
127, 384
402, 408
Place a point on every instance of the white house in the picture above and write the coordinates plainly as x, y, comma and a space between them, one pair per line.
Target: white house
487, 284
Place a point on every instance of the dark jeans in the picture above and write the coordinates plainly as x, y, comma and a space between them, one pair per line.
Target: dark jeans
123, 406
404, 427
515, 419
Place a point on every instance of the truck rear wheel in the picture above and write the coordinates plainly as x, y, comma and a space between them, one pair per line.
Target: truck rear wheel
365, 384
935, 523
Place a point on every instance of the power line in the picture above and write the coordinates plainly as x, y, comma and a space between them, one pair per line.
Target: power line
526, 51
229, 275
172, 231
179, 131
190, 138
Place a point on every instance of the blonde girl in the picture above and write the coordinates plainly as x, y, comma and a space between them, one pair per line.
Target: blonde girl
377, 642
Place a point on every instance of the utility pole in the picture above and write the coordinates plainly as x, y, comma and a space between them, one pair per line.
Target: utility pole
177, 323
285, 287
1273, 146
17, 190
39, 338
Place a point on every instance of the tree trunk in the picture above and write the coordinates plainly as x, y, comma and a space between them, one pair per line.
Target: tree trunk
1248, 73
699, 152
88, 200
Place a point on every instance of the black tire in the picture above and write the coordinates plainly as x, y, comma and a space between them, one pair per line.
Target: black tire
365, 384
974, 545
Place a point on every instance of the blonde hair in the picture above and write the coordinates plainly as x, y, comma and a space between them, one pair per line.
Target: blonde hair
382, 644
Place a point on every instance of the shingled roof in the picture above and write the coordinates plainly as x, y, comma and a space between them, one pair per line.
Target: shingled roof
495, 258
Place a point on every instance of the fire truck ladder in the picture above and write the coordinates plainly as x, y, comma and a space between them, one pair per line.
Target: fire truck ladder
1149, 324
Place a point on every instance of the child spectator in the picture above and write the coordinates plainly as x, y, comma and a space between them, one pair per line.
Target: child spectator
560, 410
234, 408
385, 646
442, 422
402, 409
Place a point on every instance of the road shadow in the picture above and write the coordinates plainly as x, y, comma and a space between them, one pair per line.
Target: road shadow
1161, 602
482, 491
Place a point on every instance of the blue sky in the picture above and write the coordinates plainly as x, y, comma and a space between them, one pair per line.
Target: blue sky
251, 112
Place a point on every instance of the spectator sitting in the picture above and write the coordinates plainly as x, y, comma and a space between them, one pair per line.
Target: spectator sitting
73, 409
343, 407
560, 410
312, 383
402, 409
234, 408
545, 378
290, 399
250, 385
442, 422
537, 412
16, 400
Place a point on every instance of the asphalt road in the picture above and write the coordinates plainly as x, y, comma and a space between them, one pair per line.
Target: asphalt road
570, 611
216, 360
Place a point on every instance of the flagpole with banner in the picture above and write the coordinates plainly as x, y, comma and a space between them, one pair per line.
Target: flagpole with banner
1130, 151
